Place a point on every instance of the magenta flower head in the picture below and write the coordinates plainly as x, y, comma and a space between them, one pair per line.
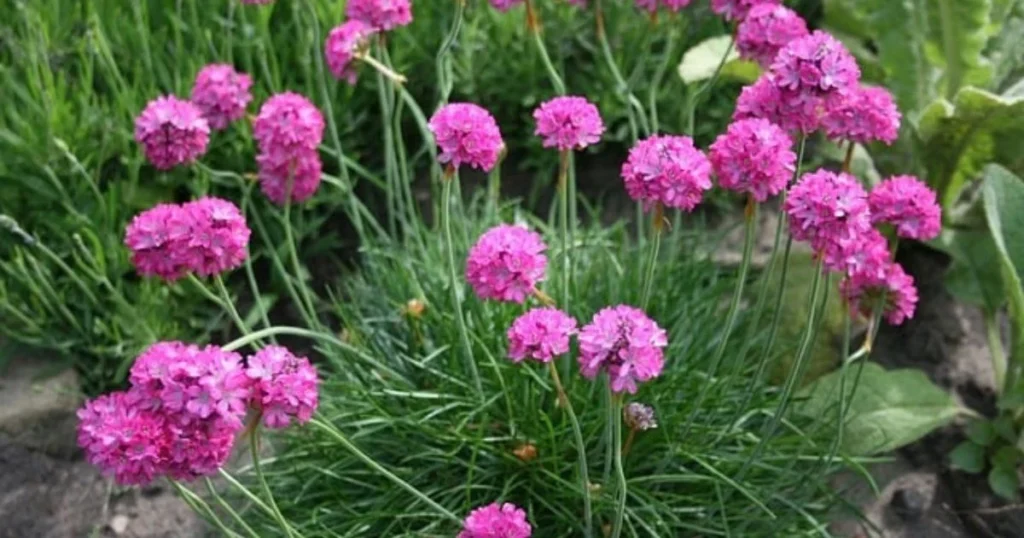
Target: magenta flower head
862, 253
626, 343
506, 263
217, 236
540, 334
199, 448
467, 134
123, 440
865, 114
155, 239
343, 44
667, 170
172, 132
791, 111
825, 208
286, 122
736, 10
651, 6
496, 521
383, 15
766, 29
753, 156
568, 123
909, 205
284, 386
815, 66
296, 173
222, 94
864, 290
505, 5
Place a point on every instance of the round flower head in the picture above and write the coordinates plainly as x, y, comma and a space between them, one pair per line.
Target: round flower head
506, 263
198, 448
222, 94
791, 111
297, 172
496, 521
864, 290
767, 28
866, 252
217, 237
172, 132
342, 45
815, 66
568, 123
652, 5
505, 5
123, 440
825, 208
626, 343
284, 386
467, 134
909, 205
380, 14
753, 156
540, 334
667, 170
288, 122
865, 114
156, 243
639, 417
736, 10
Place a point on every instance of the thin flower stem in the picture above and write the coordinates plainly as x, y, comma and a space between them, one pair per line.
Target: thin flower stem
659, 75
848, 160
229, 304
652, 259
279, 266
693, 100
254, 446
338, 436
389, 73
227, 508
581, 450
454, 282
634, 109
443, 59
629, 442
843, 369
620, 474
289, 238
197, 504
563, 225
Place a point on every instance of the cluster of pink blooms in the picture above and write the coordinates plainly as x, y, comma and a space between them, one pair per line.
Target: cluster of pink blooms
505, 5
625, 343
668, 170
753, 156
288, 130
540, 334
382, 15
496, 521
343, 45
651, 6
766, 29
467, 134
185, 406
737, 10
867, 114
222, 94
207, 236
172, 132
907, 204
568, 123
506, 263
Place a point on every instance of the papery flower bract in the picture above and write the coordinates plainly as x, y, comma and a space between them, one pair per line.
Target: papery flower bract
863, 290
217, 237
505, 5
753, 156
865, 114
496, 521
467, 134
626, 343
667, 170
287, 122
284, 386
817, 65
791, 111
222, 94
736, 10
380, 14
766, 29
540, 334
297, 172
155, 243
172, 132
908, 204
568, 123
342, 45
506, 263
825, 208
639, 417
123, 440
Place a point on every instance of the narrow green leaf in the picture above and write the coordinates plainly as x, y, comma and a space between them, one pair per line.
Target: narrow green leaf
969, 457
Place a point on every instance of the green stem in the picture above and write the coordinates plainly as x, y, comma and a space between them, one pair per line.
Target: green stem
293, 253
454, 282
634, 109
659, 75
652, 259
227, 508
443, 61
620, 474
693, 99
843, 369
197, 504
338, 436
254, 446
581, 450
229, 305
553, 75
563, 225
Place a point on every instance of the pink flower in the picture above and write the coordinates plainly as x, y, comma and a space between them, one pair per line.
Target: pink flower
863, 291
825, 208
284, 386
198, 448
862, 253
506, 263
791, 111
652, 5
297, 172
626, 343
342, 45
287, 122
222, 94
753, 156
766, 29
154, 242
467, 134
172, 132
667, 170
124, 441
217, 239
736, 10
540, 334
505, 5
865, 114
380, 14
816, 65
568, 123
909, 205
496, 521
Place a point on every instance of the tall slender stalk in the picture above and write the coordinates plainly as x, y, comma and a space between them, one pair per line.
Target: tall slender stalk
694, 97
254, 445
453, 278
634, 109
563, 225
620, 474
581, 450
293, 252
652, 260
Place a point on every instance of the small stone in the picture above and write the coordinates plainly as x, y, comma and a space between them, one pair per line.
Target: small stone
119, 524
907, 503
38, 405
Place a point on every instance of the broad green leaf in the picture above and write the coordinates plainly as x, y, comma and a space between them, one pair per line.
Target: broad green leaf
969, 457
974, 276
890, 409
900, 31
981, 432
849, 17
699, 63
1003, 481
1003, 193
958, 31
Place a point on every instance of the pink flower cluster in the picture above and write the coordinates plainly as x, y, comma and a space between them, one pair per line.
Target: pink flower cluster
496, 521
222, 94
467, 134
909, 205
825, 208
288, 130
207, 236
568, 123
668, 170
506, 263
763, 99
626, 343
736, 10
540, 334
283, 386
172, 132
767, 28
383, 15
343, 45
651, 6
865, 114
505, 5
753, 156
